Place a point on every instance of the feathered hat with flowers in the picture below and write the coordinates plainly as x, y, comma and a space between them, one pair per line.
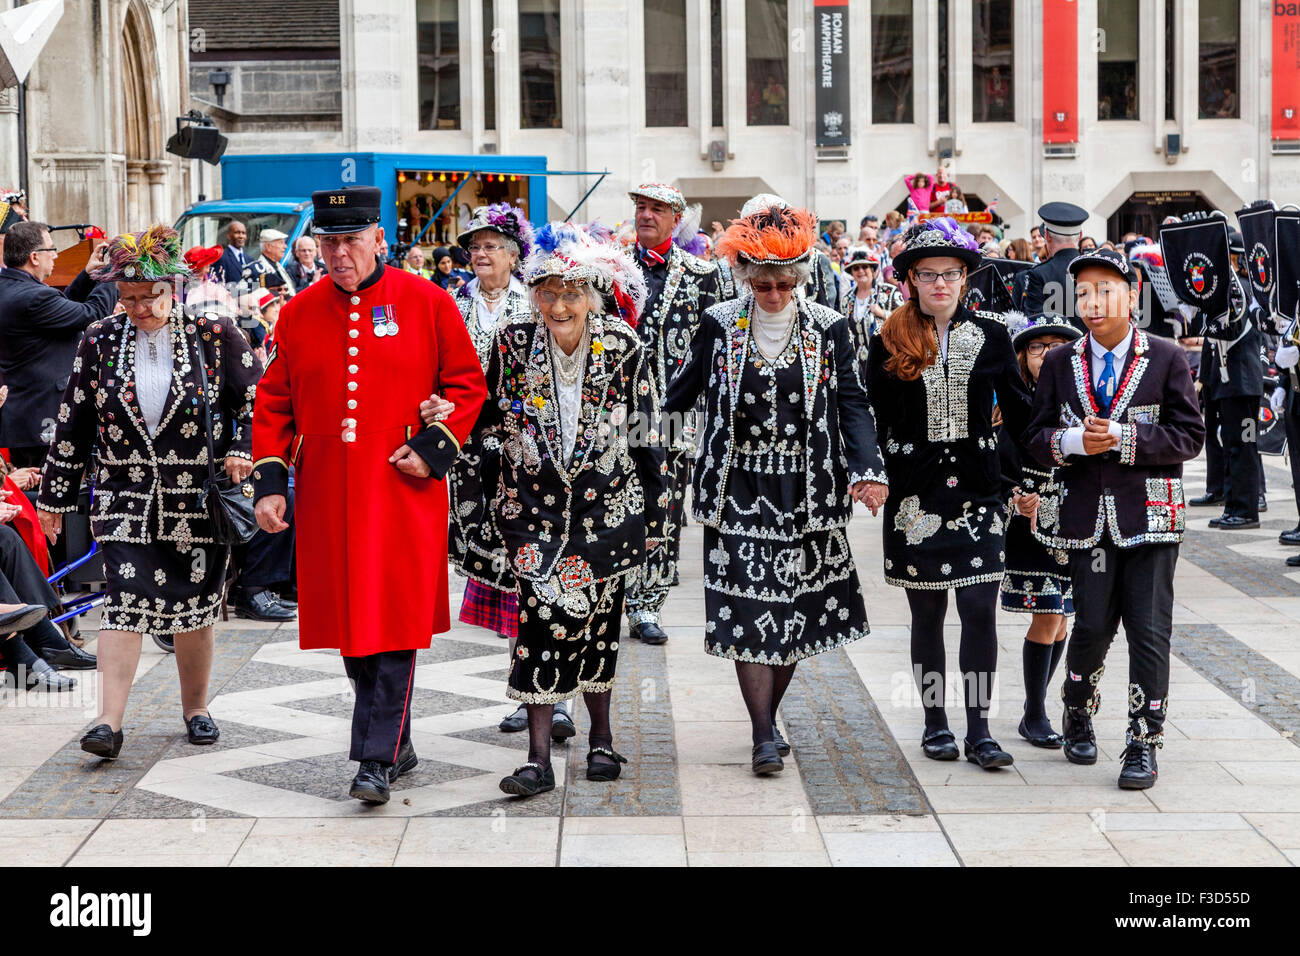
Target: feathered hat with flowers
502, 217
150, 256
769, 232
938, 237
578, 254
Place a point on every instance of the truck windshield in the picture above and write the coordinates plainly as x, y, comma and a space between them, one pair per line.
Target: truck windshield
209, 229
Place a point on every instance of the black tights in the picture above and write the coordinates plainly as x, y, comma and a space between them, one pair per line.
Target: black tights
977, 655
539, 728
763, 686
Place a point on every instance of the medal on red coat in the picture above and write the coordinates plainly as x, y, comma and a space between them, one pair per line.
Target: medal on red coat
383, 318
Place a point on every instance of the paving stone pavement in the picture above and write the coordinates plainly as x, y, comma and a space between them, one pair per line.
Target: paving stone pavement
856, 790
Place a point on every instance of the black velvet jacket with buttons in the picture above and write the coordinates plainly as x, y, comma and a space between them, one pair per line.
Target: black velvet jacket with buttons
589, 520
147, 488
943, 420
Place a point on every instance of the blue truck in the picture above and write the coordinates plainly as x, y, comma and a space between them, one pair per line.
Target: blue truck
426, 197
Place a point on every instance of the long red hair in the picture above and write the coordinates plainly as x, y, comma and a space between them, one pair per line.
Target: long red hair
909, 337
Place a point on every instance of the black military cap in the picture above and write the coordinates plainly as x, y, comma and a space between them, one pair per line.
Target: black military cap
1107, 259
338, 211
1063, 218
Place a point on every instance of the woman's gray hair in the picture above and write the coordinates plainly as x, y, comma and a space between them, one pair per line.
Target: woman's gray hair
798, 272
595, 301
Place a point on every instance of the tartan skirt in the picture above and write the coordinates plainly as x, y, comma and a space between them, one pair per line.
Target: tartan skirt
486, 606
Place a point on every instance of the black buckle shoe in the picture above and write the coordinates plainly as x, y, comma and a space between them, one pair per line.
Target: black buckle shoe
71, 658
782, 747
940, 745
1080, 743
1050, 740
649, 633
604, 772
515, 722
370, 785
1236, 523
406, 762
561, 725
1139, 766
766, 759
262, 606
987, 753
529, 780
202, 730
102, 741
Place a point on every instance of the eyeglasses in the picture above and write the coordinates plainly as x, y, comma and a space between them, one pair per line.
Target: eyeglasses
489, 247
1039, 348
951, 276
767, 288
570, 299
46, 249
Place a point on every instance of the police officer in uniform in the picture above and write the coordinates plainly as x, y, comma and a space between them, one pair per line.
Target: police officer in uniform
1232, 381
1048, 287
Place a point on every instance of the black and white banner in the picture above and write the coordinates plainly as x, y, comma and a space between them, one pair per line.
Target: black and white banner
1197, 263
832, 31
1258, 236
1287, 243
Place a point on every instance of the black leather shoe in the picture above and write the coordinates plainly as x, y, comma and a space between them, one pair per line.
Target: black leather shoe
1215, 522
1139, 766
370, 785
1293, 561
406, 762
515, 722
21, 618
766, 759
202, 730
1289, 537
529, 780
1206, 499
561, 725
987, 753
782, 747
1263, 504
648, 633
1080, 743
1236, 523
262, 606
70, 658
41, 676
287, 598
1050, 740
940, 745
102, 741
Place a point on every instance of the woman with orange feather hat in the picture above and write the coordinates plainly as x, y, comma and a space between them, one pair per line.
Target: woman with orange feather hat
789, 444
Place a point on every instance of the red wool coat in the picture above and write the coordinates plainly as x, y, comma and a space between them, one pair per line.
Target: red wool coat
335, 402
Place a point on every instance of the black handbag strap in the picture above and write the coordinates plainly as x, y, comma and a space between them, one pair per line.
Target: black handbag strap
207, 410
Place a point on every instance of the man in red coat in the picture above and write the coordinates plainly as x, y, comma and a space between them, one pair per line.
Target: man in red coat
353, 358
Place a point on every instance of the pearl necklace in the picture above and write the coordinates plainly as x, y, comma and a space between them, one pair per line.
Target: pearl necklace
492, 297
568, 368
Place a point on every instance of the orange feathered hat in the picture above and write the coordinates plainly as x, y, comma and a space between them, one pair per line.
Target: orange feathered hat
777, 235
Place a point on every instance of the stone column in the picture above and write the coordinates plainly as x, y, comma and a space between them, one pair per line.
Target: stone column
159, 210
137, 199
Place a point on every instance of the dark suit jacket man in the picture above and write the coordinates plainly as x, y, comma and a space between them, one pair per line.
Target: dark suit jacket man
230, 267
301, 281
1134, 494
1049, 284
39, 331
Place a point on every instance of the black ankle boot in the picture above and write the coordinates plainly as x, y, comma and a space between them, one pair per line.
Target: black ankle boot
1076, 731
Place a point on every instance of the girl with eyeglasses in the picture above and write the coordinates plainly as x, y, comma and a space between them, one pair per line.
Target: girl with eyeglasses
934, 373
1037, 578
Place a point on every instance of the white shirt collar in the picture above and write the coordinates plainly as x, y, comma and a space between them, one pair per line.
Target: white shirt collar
1120, 351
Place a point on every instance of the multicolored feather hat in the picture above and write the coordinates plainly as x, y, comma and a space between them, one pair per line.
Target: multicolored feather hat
940, 236
769, 234
504, 218
578, 254
150, 256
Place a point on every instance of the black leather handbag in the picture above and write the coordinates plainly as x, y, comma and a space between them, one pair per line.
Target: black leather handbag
229, 506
